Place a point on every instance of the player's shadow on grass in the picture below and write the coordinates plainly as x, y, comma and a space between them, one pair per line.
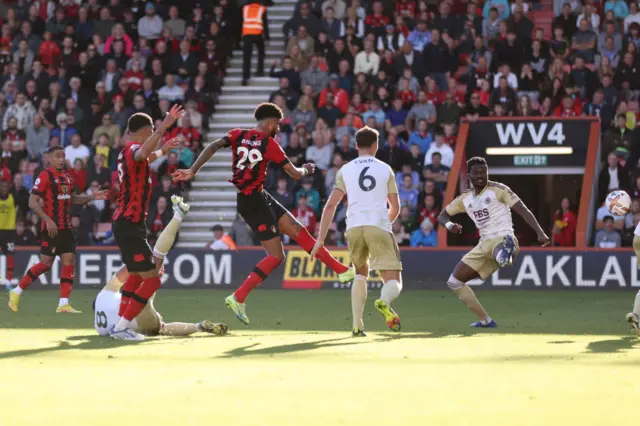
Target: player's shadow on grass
292, 347
86, 343
622, 344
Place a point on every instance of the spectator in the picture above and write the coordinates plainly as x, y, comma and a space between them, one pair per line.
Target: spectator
503, 95
391, 40
340, 96
171, 165
312, 195
108, 128
76, 150
449, 111
170, 91
584, 41
608, 237
347, 129
419, 37
221, 241
407, 169
438, 60
391, 153
400, 233
426, 236
564, 227
407, 193
304, 18
568, 108
613, 177
282, 194
475, 109
627, 76
441, 147
491, 24
421, 110
64, 132
241, 233
305, 214
22, 110
375, 112
150, 26
334, 28
367, 61
79, 175
632, 17
292, 75
421, 137
24, 236
37, 135
618, 7
158, 219
314, 77
320, 153
346, 148
175, 24
436, 171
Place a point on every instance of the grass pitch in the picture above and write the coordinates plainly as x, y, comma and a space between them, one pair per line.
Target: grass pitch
558, 358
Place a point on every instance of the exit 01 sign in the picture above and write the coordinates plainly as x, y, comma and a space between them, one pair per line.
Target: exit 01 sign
530, 160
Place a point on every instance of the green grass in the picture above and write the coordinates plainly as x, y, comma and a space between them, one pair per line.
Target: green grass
558, 358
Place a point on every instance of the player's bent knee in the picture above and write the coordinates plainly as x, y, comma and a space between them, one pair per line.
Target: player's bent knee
454, 284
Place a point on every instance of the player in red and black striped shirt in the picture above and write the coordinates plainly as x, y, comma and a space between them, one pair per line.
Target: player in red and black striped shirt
51, 199
129, 218
253, 150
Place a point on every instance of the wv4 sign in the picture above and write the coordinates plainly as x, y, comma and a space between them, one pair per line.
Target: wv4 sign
547, 143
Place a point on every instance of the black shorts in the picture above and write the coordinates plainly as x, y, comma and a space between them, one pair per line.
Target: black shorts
261, 212
63, 242
7, 241
132, 240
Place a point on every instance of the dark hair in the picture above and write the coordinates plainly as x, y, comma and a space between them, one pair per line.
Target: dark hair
436, 153
139, 121
439, 132
476, 161
53, 149
366, 137
268, 110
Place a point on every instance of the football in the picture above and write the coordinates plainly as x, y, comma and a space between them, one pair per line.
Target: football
618, 203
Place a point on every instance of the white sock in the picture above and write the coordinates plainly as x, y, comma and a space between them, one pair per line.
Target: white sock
390, 291
17, 291
63, 301
122, 324
487, 320
636, 304
358, 300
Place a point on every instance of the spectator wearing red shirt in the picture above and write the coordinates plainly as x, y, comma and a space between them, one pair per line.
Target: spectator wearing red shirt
429, 210
190, 134
433, 93
134, 76
49, 51
405, 94
406, 8
568, 108
305, 214
377, 21
564, 228
78, 175
118, 34
340, 96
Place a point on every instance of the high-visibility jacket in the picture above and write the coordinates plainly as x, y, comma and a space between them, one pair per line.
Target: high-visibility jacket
252, 19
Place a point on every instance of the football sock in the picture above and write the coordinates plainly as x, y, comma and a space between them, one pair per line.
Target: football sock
167, 237
122, 325
469, 298
306, 241
636, 304
358, 300
128, 289
32, 274
179, 329
255, 278
141, 297
63, 301
10, 265
66, 281
390, 291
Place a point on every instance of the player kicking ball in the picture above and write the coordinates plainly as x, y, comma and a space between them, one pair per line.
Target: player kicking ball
489, 205
369, 184
253, 150
149, 322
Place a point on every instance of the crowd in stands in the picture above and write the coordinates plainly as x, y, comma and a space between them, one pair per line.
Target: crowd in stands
71, 74
414, 68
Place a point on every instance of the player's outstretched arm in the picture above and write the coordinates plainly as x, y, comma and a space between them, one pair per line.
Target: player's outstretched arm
298, 173
35, 204
85, 198
174, 114
164, 149
444, 219
531, 220
327, 217
205, 155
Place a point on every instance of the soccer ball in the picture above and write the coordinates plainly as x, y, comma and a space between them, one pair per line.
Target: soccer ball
618, 203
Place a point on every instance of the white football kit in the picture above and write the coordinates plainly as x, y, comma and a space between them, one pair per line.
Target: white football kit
367, 182
106, 311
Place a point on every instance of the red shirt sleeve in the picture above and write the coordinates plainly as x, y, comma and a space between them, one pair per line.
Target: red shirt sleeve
275, 153
41, 184
232, 137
